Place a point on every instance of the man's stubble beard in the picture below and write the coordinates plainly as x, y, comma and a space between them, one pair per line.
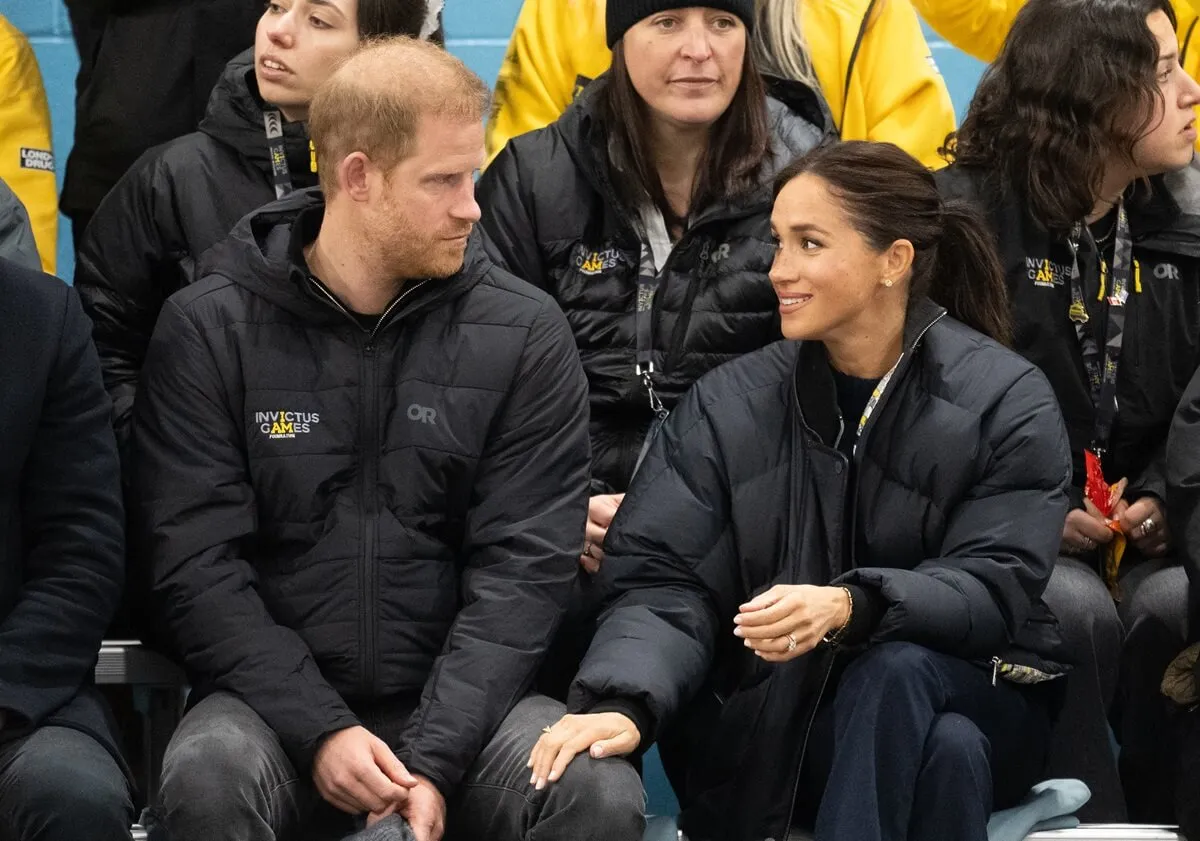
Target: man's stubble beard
413, 255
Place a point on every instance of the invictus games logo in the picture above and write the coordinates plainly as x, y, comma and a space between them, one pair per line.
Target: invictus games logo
1046, 273
37, 159
286, 424
597, 261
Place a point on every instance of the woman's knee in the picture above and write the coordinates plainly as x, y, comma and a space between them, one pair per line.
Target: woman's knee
1085, 610
957, 744
1160, 597
887, 667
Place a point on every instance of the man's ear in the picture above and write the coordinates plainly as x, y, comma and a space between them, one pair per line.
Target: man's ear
355, 175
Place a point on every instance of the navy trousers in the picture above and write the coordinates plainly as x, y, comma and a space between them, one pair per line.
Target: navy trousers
920, 746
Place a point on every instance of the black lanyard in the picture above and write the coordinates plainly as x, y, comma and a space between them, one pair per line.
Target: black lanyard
281, 173
1102, 367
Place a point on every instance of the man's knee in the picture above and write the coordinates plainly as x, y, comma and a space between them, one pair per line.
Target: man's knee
217, 766
603, 793
213, 759
65, 786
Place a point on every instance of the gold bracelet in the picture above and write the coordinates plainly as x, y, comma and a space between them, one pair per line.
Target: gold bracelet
835, 637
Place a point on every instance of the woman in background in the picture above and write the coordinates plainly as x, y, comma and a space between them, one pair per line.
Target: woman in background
1077, 150
868, 58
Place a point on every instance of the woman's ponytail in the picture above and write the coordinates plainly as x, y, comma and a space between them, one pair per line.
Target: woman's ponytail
967, 277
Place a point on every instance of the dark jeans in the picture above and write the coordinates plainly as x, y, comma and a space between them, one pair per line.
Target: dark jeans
1154, 611
920, 746
1081, 747
226, 776
1120, 653
59, 784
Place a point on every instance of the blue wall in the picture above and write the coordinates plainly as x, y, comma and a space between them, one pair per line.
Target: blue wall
477, 30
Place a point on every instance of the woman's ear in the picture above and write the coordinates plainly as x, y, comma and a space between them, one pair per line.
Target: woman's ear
897, 261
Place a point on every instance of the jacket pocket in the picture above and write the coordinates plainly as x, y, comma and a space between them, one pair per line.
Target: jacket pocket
723, 741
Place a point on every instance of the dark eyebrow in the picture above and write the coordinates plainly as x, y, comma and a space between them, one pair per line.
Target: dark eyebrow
808, 228
1171, 57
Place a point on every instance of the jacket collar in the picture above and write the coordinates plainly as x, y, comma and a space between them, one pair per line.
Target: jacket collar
813, 386
264, 254
1164, 213
235, 118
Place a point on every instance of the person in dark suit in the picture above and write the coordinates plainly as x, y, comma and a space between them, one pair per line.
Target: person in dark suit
62, 550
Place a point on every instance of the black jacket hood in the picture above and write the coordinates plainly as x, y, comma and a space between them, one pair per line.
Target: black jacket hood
235, 117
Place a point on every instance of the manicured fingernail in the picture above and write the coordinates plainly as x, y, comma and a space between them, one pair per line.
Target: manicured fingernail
748, 644
553, 776
597, 751
739, 632
529, 764
533, 780
541, 784
737, 620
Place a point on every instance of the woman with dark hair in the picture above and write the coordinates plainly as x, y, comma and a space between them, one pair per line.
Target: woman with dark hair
1078, 149
644, 211
868, 58
827, 573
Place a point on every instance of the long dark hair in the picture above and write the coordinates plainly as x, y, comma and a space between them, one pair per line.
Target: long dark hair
384, 18
739, 143
1074, 85
888, 196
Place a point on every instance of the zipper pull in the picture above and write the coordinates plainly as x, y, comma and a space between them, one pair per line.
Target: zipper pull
995, 669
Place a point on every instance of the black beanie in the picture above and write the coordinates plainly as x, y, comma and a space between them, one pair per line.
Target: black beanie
623, 14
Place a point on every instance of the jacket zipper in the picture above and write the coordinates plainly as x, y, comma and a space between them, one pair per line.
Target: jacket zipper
853, 518
368, 434
674, 349
369, 490
887, 393
804, 745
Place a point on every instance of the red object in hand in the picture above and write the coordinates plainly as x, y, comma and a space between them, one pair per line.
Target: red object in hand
1096, 489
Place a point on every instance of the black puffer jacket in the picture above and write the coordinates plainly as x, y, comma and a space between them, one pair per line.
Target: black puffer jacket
1162, 324
176, 202
347, 525
553, 218
959, 505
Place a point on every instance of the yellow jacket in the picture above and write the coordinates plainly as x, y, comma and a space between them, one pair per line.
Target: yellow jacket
26, 152
896, 92
979, 27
